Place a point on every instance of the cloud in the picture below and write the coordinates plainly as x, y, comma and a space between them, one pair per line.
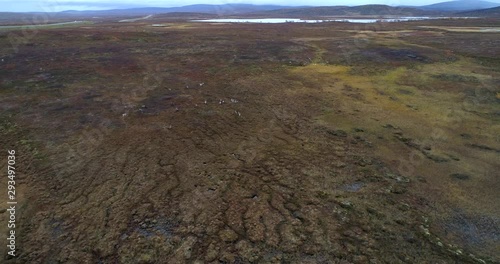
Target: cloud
83, 3
100, 4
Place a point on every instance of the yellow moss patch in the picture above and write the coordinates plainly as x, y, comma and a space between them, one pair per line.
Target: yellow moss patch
359, 100
322, 68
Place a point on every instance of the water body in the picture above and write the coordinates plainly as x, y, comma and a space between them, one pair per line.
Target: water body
297, 20
490, 30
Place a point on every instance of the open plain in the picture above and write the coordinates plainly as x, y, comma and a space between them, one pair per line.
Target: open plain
170, 141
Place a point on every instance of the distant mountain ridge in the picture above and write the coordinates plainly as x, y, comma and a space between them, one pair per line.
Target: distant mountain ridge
226, 9
231, 9
489, 12
460, 5
363, 10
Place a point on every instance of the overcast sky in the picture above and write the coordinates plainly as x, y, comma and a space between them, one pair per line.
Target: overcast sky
61, 5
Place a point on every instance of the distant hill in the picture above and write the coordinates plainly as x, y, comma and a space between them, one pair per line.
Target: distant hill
227, 9
12, 18
364, 10
460, 5
16, 18
306, 11
489, 12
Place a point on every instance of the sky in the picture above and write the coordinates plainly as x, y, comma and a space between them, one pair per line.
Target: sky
61, 5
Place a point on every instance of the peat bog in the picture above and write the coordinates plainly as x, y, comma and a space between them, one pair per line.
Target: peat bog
254, 143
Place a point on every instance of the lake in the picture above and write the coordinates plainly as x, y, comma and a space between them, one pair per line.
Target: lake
297, 20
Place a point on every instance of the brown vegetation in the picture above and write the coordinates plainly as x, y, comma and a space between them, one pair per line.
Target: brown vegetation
254, 143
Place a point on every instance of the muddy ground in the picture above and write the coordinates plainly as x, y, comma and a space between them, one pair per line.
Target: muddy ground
253, 143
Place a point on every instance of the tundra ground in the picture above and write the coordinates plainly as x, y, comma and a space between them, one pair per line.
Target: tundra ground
254, 143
